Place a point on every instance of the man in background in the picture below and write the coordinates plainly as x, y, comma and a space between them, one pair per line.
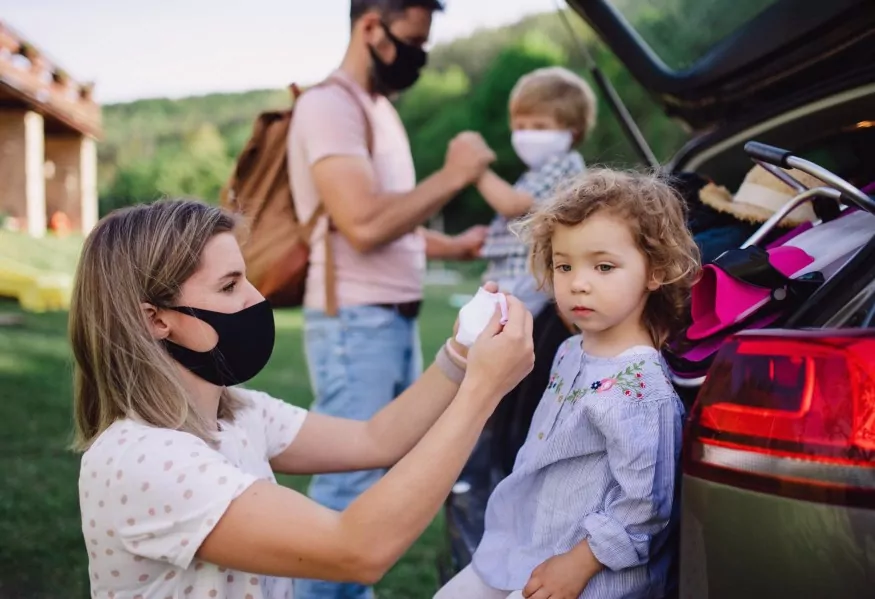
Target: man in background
350, 153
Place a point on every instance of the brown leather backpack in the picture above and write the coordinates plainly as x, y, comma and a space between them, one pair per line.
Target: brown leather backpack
276, 245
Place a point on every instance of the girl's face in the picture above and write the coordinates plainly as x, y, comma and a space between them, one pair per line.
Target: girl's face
600, 277
219, 284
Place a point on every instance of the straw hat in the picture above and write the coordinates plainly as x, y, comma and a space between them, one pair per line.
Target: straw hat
760, 195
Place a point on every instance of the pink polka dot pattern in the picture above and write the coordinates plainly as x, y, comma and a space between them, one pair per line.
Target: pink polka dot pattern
150, 496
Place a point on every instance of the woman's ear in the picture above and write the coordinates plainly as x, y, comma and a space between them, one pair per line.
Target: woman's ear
158, 327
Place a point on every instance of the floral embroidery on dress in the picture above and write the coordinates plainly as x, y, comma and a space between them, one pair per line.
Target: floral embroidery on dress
555, 384
629, 381
575, 395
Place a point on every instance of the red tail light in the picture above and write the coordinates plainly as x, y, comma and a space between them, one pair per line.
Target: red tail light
790, 413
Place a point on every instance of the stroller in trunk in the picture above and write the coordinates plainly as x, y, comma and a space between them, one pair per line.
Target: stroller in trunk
776, 280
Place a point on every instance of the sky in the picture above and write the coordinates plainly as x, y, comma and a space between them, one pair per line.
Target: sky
174, 48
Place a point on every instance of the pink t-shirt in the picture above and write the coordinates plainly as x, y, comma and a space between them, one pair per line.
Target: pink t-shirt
327, 122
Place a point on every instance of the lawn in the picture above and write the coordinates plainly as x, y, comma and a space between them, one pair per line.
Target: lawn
42, 553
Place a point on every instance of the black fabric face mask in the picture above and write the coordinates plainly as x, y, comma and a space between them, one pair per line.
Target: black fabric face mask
403, 72
244, 347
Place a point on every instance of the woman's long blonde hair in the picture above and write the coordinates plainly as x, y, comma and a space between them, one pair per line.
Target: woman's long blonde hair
133, 256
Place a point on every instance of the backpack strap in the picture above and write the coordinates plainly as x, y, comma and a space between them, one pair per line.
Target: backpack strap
330, 267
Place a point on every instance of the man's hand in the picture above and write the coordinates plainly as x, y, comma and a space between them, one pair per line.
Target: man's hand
468, 157
469, 242
563, 576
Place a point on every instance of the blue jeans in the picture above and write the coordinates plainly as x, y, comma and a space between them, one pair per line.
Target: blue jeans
358, 361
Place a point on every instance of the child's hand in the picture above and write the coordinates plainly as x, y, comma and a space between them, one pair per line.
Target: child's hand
562, 576
469, 242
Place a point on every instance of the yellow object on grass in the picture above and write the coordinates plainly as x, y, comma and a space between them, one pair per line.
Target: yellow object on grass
36, 290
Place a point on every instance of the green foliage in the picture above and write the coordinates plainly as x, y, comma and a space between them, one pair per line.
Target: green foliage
156, 148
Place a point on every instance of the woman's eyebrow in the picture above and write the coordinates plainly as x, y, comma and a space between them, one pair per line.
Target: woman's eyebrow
234, 274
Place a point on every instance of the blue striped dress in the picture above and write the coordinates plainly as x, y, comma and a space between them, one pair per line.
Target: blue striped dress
599, 464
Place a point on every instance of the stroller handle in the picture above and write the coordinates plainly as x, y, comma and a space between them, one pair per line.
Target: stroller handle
770, 155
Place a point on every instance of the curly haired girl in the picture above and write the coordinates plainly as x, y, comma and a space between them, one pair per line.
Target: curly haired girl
589, 505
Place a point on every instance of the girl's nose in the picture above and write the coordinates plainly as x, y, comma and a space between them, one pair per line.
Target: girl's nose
581, 284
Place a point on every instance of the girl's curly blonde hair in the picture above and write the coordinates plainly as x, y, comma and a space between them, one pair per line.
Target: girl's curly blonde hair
656, 215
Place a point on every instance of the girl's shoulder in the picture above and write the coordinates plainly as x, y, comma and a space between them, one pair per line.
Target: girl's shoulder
637, 375
569, 347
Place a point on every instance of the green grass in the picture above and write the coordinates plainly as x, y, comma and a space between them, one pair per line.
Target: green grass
42, 552
50, 253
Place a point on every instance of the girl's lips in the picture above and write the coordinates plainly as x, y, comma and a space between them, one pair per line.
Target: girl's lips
582, 311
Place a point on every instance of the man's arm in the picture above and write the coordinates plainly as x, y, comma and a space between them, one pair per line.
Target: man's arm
369, 218
465, 246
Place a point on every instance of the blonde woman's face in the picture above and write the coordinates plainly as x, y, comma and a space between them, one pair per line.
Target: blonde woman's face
220, 285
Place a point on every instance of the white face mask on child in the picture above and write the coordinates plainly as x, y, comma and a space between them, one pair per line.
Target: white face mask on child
537, 146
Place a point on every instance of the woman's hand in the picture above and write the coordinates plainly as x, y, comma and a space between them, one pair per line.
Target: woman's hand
502, 356
460, 349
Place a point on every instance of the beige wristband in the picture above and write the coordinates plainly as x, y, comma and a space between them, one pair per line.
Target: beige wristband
446, 364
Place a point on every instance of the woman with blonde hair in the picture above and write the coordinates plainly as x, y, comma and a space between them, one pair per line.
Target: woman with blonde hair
177, 489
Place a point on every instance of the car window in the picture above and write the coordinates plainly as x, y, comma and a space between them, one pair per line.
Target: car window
682, 31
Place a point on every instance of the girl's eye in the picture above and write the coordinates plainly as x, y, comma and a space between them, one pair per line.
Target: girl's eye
229, 287
605, 267
563, 267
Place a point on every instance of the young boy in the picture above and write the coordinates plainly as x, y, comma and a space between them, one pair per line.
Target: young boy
551, 112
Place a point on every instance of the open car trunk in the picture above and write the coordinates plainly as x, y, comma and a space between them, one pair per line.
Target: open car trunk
711, 62
797, 74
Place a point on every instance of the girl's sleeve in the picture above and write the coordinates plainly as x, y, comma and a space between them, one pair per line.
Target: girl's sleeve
643, 446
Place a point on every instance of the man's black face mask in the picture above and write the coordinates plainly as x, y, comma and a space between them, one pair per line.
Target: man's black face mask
401, 73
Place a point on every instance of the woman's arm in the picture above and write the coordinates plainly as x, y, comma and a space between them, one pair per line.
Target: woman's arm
273, 530
331, 444
504, 199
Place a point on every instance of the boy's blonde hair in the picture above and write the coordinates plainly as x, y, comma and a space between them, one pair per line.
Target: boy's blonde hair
137, 255
558, 92
656, 216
